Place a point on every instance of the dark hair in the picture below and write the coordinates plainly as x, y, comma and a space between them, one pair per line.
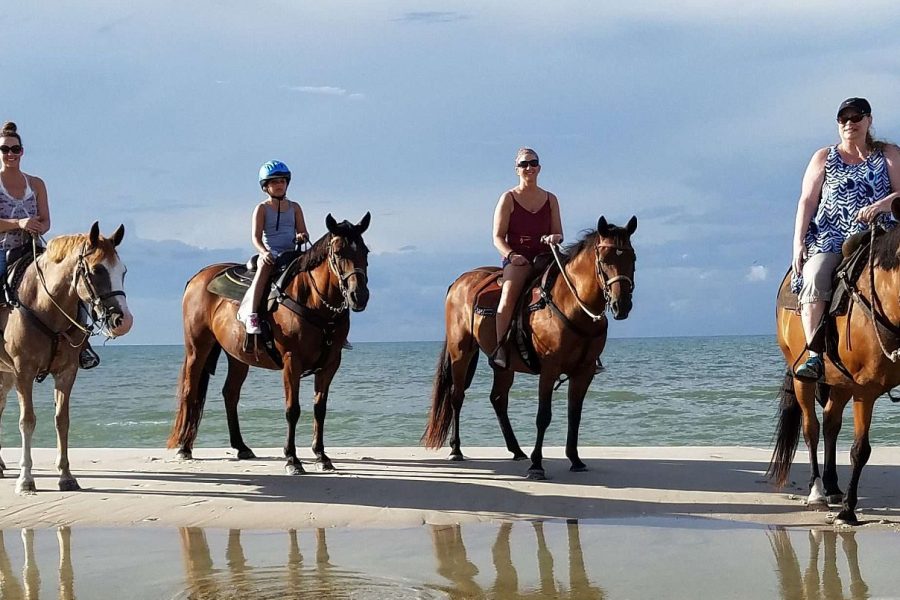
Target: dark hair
9, 130
872, 143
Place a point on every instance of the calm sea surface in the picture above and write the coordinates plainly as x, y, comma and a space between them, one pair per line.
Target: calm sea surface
655, 391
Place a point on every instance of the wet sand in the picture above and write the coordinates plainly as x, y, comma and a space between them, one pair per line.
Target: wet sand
400, 487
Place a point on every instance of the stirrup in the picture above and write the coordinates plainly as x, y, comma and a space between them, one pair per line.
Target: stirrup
88, 359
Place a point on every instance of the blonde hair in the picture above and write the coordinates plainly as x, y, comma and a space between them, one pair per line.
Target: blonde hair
64, 246
524, 151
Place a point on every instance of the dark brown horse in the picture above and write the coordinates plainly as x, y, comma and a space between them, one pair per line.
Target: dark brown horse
568, 334
309, 325
868, 355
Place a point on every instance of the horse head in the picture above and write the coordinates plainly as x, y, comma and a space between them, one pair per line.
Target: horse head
348, 260
615, 265
100, 280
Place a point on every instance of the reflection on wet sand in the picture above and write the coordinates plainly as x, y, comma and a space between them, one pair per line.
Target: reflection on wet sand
454, 565
814, 583
29, 587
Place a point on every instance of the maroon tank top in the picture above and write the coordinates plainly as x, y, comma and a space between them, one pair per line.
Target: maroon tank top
526, 228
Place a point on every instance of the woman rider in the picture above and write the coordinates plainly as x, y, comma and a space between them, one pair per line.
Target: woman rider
525, 221
845, 187
277, 226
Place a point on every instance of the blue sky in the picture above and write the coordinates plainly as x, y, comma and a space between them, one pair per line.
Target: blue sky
699, 117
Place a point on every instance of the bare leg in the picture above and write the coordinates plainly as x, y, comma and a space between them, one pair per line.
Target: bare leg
514, 278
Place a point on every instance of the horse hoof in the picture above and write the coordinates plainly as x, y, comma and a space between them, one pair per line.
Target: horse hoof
836, 498
520, 456
846, 517
325, 466
579, 468
184, 455
294, 469
456, 457
68, 485
245, 454
26, 488
536, 475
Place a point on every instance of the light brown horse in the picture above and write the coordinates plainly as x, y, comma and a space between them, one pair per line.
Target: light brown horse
310, 324
869, 354
568, 335
42, 334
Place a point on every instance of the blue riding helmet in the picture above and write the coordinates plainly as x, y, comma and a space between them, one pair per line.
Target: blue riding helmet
272, 170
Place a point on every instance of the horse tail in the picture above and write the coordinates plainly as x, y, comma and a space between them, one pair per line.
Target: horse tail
787, 433
441, 414
187, 420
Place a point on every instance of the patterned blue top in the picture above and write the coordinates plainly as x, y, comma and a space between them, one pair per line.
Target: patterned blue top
846, 190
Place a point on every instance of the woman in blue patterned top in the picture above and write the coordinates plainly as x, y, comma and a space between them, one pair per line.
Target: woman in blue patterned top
846, 187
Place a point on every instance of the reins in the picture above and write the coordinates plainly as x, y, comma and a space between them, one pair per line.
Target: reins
607, 282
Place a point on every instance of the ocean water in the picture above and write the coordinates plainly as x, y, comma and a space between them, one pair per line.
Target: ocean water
655, 391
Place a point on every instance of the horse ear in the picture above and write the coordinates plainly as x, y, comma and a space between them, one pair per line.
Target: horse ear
118, 235
94, 235
632, 225
895, 208
602, 226
363, 224
331, 224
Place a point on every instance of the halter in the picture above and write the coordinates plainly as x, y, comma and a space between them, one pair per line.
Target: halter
605, 280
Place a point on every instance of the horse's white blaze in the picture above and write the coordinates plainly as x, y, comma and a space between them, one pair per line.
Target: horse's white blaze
817, 494
116, 271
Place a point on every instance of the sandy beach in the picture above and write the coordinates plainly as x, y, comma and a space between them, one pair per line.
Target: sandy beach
394, 487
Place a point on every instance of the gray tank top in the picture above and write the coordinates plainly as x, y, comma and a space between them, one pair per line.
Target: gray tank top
279, 239
17, 208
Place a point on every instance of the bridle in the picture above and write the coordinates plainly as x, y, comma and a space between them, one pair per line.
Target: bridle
343, 279
605, 280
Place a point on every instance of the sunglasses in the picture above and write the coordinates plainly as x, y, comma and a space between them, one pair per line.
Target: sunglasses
851, 119
17, 149
528, 163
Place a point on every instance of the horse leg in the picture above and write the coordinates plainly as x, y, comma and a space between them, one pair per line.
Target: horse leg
503, 380
25, 482
832, 417
63, 388
544, 415
231, 391
859, 456
806, 397
6, 383
201, 351
459, 369
290, 377
320, 404
578, 387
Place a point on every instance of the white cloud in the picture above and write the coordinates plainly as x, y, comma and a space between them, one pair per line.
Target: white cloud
757, 273
325, 90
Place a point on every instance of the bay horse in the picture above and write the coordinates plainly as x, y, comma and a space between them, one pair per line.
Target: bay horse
867, 342
309, 324
568, 334
42, 334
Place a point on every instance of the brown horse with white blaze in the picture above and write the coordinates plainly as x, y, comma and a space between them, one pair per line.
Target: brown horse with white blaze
568, 334
43, 335
309, 324
868, 350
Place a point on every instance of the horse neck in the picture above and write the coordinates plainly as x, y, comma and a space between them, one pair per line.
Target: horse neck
59, 281
320, 279
582, 272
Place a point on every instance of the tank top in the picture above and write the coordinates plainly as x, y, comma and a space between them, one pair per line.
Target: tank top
17, 208
526, 228
279, 233
846, 189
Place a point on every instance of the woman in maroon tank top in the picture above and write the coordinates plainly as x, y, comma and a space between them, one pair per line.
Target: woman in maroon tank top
526, 220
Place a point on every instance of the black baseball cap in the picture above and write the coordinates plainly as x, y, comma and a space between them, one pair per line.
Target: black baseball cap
860, 105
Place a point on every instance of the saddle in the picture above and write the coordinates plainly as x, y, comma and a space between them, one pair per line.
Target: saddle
233, 282
17, 260
485, 298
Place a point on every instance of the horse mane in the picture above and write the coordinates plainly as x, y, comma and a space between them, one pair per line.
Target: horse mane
589, 239
887, 250
64, 246
318, 252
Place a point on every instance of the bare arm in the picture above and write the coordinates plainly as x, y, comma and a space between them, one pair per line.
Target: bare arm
43, 205
810, 192
883, 205
556, 232
258, 223
501, 224
300, 223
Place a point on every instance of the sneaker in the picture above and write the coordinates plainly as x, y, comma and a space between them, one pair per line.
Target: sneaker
88, 359
812, 370
252, 324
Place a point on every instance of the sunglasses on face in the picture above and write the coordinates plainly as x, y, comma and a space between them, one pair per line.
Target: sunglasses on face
17, 149
843, 120
528, 163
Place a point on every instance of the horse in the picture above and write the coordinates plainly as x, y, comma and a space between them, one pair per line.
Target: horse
567, 331
862, 365
42, 333
309, 325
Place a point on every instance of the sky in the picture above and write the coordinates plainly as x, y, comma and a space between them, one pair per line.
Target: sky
698, 117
